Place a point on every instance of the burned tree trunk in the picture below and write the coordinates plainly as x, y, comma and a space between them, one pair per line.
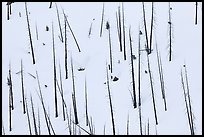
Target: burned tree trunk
133, 75
23, 98
29, 32
55, 86
102, 21
110, 101
74, 94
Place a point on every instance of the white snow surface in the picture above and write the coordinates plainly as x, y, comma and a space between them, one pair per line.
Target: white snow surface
187, 48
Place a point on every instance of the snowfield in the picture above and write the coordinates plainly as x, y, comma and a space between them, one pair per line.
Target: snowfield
94, 57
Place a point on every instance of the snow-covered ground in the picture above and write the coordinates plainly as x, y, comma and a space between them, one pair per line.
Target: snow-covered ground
187, 48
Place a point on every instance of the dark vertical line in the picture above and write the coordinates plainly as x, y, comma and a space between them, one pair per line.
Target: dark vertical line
148, 127
86, 103
41, 100
102, 21
36, 30
72, 33
189, 102
170, 32
128, 125
153, 100
119, 27
7, 11
23, 97
10, 129
140, 111
29, 126
161, 77
73, 94
147, 46
55, 88
110, 48
50, 5
63, 111
188, 113
113, 124
139, 74
66, 68
11, 88
31, 44
196, 14
39, 132
124, 32
59, 23
33, 112
152, 20
133, 75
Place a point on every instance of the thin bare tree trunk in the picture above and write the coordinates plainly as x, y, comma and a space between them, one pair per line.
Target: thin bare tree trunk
43, 105
55, 86
86, 104
170, 33
74, 94
28, 117
153, 99
124, 32
189, 102
29, 32
186, 103
34, 121
59, 23
50, 5
65, 37
161, 77
23, 97
147, 46
152, 25
72, 33
196, 14
133, 75
63, 111
111, 108
102, 21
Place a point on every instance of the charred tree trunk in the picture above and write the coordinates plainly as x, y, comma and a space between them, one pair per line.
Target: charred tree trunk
119, 28
86, 104
147, 44
29, 32
50, 5
152, 25
170, 33
55, 78
124, 50
133, 75
10, 88
63, 105
196, 14
102, 21
43, 105
153, 99
189, 102
111, 108
140, 111
74, 94
186, 103
161, 77
110, 47
72, 33
28, 117
59, 23
23, 97
34, 120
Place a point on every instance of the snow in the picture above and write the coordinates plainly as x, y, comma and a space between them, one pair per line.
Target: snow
187, 48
